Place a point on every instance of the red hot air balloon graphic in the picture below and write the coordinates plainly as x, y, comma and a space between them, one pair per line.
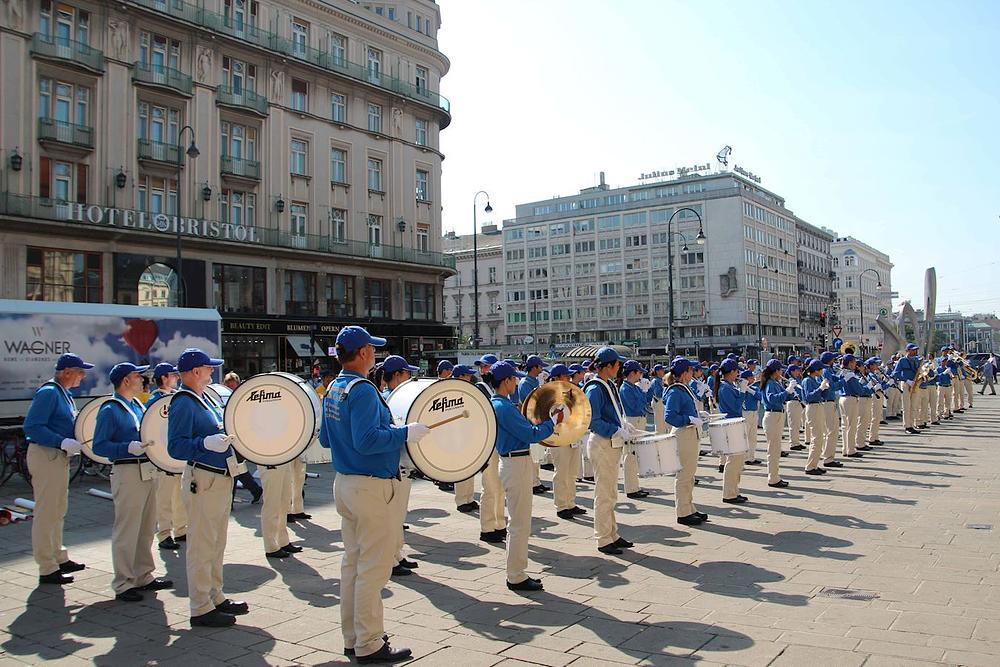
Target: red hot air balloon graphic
140, 336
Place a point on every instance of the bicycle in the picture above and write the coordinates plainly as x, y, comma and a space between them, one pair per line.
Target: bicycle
89, 468
14, 457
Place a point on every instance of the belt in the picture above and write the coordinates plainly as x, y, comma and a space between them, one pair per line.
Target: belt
205, 466
773, 410
520, 452
396, 477
122, 462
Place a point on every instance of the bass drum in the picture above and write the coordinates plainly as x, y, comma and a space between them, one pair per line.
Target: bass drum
220, 393
83, 428
463, 426
154, 431
273, 417
316, 453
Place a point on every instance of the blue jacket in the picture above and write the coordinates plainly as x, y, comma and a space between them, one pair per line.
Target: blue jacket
798, 387
655, 390
155, 395
514, 431
775, 396
51, 416
115, 428
943, 379
836, 384
730, 400
525, 387
359, 430
811, 393
189, 423
633, 399
906, 368
603, 417
752, 398
678, 406
852, 385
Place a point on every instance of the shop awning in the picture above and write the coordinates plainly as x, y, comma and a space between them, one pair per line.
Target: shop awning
301, 346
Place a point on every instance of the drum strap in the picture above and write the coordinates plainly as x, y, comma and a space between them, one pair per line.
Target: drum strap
205, 401
612, 396
65, 395
130, 411
486, 389
356, 381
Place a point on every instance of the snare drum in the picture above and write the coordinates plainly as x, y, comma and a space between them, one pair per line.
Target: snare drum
647, 458
154, 431
463, 443
83, 428
273, 417
657, 455
728, 436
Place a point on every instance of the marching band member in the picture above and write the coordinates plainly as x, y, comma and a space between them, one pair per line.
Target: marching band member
813, 393
751, 400
654, 396
465, 491
533, 366
957, 379
775, 396
966, 381
879, 386
699, 387
195, 434
278, 487
566, 461
850, 406
943, 378
681, 412
928, 409
492, 520
608, 433
834, 384
905, 373
579, 378
893, 396
514, 434
49, 429
634, 403
865, 401
445, 369
171, 515
365, 447
795, 409
133, 486
729, 397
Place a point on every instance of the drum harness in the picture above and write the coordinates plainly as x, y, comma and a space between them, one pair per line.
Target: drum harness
210, 405
135, 419
615, 401
404, 471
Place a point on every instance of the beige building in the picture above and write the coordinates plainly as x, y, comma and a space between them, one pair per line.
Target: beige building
459, 290
311, 198
862, 288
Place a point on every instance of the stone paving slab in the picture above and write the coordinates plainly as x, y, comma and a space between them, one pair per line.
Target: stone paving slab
744, 589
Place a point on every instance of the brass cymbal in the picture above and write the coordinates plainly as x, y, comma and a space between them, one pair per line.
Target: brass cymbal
538, 403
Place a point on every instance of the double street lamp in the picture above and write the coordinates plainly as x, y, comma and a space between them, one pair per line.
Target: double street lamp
475, 265
192, 152
700, 240
861, 301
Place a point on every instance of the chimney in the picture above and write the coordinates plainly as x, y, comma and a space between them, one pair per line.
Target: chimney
602, 180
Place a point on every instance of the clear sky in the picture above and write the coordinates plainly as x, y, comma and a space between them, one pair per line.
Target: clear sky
879, 120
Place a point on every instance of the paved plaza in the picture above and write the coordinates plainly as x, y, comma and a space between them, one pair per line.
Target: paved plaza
752, 587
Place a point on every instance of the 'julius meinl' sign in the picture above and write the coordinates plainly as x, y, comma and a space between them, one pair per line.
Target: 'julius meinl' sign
155, 222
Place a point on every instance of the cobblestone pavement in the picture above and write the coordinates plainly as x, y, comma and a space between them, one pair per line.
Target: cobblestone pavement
746, 588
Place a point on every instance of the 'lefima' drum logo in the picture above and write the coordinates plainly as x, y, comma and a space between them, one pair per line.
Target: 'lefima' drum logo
263, 396
443, 404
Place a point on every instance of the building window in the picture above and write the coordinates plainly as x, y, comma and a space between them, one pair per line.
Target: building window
423, 191
419, 301
67, 23
64, 102
338, 165
159, 52
377, 298
338, 107
299, 157
239, 141
158, 123
157, 195
374, 230
338, 225
493, 274
300, 292
338, 50
62, 181
237, 207
300, 95
57, 275
374, 65
238, 75
300, 38
374, 118
424, 238
239, 15
375, 174
339, 295
239, 289
421, 132
421, 80
300, 220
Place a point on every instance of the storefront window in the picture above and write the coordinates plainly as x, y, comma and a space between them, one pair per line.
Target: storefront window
250, 355
158, 286
377, 298
339, 296
419, 298
239, 289
300, 293
57, 275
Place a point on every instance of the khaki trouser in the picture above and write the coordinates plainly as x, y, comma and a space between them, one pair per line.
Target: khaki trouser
208, 527
894, 401
751, 426
808, 428
491, 500
515, 475
944, 401
297, 481
876, 418
688, 445
774, 426
659, 422
970, 389
928, 409
630, 463
864, 421
830, 416
795, 413
908, 403
134, 526
49, 468
277, 484
956, 393
398, 508
567, 463
606, 460
367, 526
849, 410
170, 511
465, 491
816, 419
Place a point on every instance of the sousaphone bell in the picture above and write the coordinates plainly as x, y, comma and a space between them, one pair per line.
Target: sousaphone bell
539, 402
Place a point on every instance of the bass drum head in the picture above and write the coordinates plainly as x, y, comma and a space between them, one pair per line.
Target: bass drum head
220, 393
86, 423
154, 431
454, 451
272, 417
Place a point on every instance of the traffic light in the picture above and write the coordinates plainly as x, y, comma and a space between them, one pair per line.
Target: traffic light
822, 319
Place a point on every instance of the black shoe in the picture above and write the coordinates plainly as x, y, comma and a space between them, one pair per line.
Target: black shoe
400, 571
948, 417
780, 484
623, 543
182, 538
69, 567
528, 584
637, 495
753, 462
722, 467
883, 422
493, 537
292, 548
588, 479
406, 526
291, 518
256, 497
798, 448
302, 516
876, 442
912, 431
866, 448
690, 520
233, 607
468, 507
131, 595
936, 423
815, 471
213, 619
701, 515
157, 585
502, 532
833, 464
547, 466
923, 426
569, 515
610, 548
386, 654
446, 486
277, 553
576, 509
409, 564
738, 500
960, 410
856, 455
56, 577
784, 454
169, 545
539, 490
349, 652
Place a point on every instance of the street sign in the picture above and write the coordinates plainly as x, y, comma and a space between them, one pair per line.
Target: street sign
836, 331
883, 312
837, 342
631, 343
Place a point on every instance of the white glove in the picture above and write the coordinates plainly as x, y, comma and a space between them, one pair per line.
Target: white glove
949, 372
824, 385
744, 385
218, 442
623, 434
135, 448
696, 421
704, 415
416, 432
558, 413
635, 430
71, 446
645, 384
705, 389
909, 383
790, 389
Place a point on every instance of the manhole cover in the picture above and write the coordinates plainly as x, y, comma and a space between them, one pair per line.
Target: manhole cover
979, 526
848, 594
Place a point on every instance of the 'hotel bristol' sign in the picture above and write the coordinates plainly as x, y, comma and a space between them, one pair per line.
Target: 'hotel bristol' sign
168, 224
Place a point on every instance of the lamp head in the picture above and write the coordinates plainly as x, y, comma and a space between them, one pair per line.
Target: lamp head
700, 239
488, 209
121, 179
192, 151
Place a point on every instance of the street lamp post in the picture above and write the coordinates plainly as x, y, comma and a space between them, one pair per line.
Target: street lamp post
700, 239
475, 265
760, 329
861, 302
192, 152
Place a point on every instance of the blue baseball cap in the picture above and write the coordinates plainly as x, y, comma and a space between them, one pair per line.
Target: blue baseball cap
815, 365
70, 360
631, 365
873, 361
728, 366
658, 367
120, 371
679, 365
558, 370
793, 359
772, 365
731, 355
752, 361
461, 370
713, 368
793, 367
192, 358
747, 374
577, 368
394, 363
848, 358
162, 369
533, 361
827, 357
607, 355
354, 338
912, 346
502, 370
445, 365
488, 359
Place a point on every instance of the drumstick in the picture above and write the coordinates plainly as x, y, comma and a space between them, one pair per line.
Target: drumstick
465, 413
